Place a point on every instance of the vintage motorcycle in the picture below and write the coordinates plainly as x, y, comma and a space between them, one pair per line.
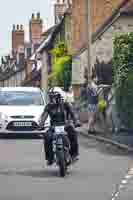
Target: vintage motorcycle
61, 148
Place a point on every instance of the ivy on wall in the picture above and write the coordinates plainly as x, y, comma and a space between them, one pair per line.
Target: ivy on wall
123, 76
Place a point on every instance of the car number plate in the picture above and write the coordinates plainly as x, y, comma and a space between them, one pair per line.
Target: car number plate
22, 123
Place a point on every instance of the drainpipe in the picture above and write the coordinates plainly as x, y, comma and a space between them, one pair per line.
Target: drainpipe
89, 34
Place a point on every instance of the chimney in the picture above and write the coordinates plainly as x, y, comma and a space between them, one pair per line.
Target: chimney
13, 27
17, 38
38, 15
33, 16
36, 28
21, 27
17, 27
59, 9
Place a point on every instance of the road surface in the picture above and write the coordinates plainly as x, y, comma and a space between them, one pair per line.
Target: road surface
25, 176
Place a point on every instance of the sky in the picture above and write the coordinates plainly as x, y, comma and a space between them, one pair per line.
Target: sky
19, 12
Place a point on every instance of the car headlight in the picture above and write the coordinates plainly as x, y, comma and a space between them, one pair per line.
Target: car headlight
3, 116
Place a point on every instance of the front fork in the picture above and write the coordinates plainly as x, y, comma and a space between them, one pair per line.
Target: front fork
62, 144
58, 145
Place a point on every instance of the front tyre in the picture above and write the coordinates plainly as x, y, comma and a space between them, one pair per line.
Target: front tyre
62, 163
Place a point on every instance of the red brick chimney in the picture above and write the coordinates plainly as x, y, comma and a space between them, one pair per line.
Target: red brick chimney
36, 28
18, 35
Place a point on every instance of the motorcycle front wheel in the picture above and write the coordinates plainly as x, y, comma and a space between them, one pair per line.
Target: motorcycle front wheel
62, 163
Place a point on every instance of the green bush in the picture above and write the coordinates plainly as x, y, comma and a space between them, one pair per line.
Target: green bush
123, 76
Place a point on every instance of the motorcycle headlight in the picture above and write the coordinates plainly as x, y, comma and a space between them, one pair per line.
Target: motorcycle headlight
3, 116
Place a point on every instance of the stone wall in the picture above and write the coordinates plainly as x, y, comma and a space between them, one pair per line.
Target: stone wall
102, 48
79, 64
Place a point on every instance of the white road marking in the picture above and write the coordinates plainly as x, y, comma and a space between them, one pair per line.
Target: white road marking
128, 176
123, 184
124, 181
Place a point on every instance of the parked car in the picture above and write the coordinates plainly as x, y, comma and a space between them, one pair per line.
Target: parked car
20, 110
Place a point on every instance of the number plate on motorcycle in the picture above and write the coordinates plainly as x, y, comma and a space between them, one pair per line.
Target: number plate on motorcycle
59, 129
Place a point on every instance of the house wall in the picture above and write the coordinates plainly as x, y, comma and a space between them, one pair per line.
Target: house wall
68, 30
79, 24
79, 64
44, 71
101, 10
102, 48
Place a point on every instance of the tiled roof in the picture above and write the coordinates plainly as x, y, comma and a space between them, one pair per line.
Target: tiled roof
128, 9
4, 75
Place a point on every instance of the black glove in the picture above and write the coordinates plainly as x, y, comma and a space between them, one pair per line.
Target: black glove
40, 126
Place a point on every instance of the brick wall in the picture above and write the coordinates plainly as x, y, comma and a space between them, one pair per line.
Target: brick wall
79, 24
17, 38
36, 28
101, 10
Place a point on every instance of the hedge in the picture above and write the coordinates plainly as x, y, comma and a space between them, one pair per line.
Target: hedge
123, 76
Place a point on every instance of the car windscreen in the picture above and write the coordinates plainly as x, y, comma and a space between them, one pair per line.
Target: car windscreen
21, 98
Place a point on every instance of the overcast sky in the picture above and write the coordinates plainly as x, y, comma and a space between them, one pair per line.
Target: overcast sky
19, 12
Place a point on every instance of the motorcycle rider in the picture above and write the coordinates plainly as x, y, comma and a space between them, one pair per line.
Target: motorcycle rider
59, 112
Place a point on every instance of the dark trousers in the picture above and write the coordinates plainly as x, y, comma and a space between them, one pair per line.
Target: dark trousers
72, 136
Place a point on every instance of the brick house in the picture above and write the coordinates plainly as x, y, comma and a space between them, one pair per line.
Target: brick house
12, 73
13, 65
59, 32
100, 11
121, 21
18, 66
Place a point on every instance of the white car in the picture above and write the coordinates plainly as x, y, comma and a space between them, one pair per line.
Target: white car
21, 109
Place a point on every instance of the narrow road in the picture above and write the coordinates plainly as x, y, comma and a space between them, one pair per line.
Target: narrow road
24, 175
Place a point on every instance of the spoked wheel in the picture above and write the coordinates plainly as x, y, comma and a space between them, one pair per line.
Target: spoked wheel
62, 163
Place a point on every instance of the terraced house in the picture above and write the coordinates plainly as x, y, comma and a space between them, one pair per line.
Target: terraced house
15, 67
87, 18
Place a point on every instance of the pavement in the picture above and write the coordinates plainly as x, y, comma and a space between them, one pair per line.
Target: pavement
124, 189
25, 176
123, 139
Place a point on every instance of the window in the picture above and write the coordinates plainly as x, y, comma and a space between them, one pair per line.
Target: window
21, 98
